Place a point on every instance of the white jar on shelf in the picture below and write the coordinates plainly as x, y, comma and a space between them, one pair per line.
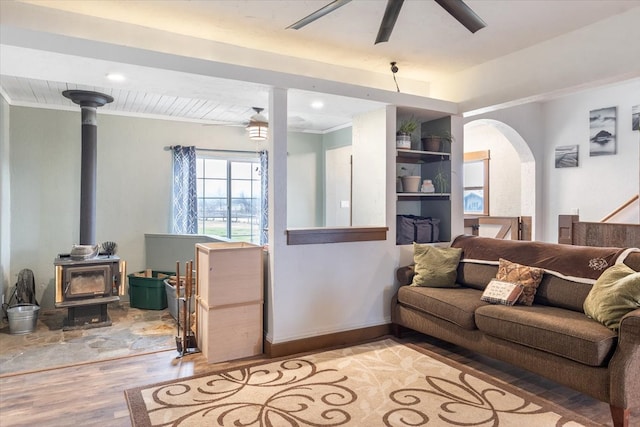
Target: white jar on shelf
427, 186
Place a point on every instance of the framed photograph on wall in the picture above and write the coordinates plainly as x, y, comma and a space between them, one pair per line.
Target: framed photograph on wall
602, 131
567, 156
635, 117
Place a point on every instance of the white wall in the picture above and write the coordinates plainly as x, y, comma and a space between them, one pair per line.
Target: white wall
369, 162
337, 178
337, 187
305, 166
599, 184
307, 173
5, 200
328, 288
133, 184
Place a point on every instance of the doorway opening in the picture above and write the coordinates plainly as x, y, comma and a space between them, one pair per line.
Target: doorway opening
512, 177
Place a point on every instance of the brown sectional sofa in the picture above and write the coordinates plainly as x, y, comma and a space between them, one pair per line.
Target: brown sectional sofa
553, 337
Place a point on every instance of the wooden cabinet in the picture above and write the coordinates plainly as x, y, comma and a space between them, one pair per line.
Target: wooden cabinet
433, 165
230, 299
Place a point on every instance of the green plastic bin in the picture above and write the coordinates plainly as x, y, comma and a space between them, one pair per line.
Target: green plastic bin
148, 292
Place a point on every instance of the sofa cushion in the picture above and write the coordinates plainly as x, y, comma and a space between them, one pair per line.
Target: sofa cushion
456, 305
559, 292
475, 275
615, 293
555, 330
435, 267
528, 277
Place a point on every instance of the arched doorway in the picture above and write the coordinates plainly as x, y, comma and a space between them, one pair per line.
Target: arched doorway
512, 168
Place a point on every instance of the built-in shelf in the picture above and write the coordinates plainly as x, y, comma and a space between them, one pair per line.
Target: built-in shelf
428, 165
427, 195
417, 156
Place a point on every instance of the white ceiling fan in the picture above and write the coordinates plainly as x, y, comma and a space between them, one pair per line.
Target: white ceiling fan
239, 122
257, 125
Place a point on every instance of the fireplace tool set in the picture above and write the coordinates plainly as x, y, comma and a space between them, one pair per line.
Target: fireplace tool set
186, 342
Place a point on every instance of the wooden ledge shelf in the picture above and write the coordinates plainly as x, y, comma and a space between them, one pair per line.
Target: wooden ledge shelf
314, 236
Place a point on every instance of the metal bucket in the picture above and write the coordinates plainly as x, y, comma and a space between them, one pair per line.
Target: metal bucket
23, 318
175, 307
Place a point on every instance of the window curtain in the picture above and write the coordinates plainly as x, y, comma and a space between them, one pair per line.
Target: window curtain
185, 201
264, 181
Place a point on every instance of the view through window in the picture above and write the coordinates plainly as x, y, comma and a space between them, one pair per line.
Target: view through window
476, 182
229, 198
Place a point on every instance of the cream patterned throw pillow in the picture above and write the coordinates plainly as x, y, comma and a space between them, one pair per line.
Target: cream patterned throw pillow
505, 293
528, 277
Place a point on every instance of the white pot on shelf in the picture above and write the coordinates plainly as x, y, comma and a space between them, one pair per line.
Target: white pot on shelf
411, 183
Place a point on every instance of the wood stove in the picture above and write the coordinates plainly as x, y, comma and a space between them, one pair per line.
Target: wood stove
85, 287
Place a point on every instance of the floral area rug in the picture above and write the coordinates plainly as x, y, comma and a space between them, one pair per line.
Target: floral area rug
384, 383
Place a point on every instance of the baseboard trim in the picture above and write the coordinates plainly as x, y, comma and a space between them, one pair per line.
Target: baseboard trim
324, 341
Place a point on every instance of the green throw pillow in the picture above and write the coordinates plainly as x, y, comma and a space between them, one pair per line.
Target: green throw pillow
615, 293
435, 267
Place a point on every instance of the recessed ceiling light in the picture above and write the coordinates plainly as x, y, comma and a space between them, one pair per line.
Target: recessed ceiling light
317, 105
115, 77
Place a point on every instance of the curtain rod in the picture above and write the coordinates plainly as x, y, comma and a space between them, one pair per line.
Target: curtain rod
171, 147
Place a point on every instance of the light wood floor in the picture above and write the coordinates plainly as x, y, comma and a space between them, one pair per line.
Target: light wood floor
92, 394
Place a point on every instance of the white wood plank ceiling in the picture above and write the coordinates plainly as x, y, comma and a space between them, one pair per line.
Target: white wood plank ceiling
48, 94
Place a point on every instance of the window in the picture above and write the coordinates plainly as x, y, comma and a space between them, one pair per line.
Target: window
229, 197
476, 183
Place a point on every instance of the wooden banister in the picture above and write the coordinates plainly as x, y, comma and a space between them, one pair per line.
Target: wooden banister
565, 228
621, 208
512, 227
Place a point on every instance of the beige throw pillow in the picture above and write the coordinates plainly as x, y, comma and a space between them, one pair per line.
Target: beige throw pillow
615, 293
435, 267
528, 277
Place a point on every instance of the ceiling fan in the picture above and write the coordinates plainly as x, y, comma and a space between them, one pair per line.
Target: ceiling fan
456, 8
257, 125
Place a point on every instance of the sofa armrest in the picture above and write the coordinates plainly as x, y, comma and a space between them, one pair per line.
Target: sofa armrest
625, 364
405, 275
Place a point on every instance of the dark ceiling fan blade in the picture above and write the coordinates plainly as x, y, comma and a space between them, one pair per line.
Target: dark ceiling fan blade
463, 13
318, 14
389, 20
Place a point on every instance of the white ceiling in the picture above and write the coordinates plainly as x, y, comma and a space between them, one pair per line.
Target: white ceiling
427, 44
162, 93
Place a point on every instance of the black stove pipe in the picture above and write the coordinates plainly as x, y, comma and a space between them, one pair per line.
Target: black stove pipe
89, 102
